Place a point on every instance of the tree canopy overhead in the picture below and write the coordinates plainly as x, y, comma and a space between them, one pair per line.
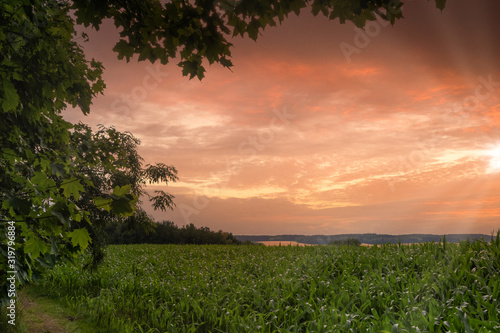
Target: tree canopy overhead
199, 30
54, 176
42, 70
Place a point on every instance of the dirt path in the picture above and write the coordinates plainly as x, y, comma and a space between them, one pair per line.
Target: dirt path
41, 314
36, 318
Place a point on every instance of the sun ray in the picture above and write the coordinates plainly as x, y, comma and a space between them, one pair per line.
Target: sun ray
494, 155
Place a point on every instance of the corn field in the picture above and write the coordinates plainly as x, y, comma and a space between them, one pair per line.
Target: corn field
430, 287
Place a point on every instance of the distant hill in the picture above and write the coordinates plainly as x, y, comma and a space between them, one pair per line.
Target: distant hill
364, 238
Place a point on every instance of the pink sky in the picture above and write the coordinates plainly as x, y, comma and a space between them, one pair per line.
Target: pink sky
319, 130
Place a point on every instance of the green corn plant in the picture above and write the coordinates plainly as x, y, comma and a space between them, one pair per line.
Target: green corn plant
431, 287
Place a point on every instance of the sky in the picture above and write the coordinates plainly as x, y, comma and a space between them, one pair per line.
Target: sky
321, 128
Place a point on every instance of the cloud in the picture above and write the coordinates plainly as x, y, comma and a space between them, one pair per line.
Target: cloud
366, 145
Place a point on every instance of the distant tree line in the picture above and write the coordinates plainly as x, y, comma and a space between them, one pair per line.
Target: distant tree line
363, 238
348, 242
141, 228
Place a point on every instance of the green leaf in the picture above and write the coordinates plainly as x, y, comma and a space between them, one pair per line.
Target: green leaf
35, 246
58, 169
124, 49
297, 5
146, 53
60, 210
253, 30
226, 62
20, 206
121, 191
200, 73
17, 76
124, 206
189, 68
54, 249
72, 187
41, 180
80, 237
103, 203
440, 4
11, 98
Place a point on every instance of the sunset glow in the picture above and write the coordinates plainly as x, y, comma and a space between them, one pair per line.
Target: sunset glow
300, 138
494, 155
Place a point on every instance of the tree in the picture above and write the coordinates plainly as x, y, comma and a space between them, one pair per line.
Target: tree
42, 70
109, 159
199, 30
165, 232
135, 229
115, 162
348, 242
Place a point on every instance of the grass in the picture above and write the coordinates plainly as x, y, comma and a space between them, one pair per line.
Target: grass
39, 313
432, 287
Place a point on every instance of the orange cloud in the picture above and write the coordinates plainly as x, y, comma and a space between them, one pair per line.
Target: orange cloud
297, 140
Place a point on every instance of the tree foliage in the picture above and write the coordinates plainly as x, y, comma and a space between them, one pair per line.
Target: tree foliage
201, 29
42, 70
43, 188
113, 165
110, 159
131, 231
348, 242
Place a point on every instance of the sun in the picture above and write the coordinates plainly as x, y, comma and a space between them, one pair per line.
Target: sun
494, 155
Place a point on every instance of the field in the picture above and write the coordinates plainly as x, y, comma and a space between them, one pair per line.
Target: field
281, 243
431, 287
